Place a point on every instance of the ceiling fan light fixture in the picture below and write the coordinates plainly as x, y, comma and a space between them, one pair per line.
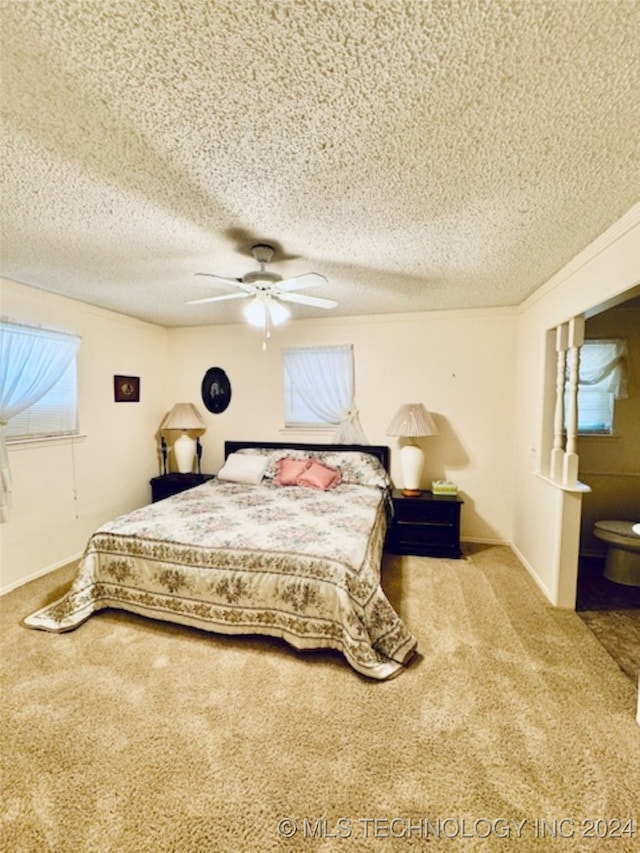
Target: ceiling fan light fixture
278, 312
271, 293
260, 310
255, 313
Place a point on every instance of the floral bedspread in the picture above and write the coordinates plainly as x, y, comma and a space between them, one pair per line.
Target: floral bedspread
295, 563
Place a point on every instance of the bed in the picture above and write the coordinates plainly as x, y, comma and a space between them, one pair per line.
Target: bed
286, 542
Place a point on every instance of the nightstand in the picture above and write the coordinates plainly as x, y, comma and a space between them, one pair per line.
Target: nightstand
426, 525
170, 484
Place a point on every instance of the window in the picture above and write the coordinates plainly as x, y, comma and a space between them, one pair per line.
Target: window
602, 381
38, 383
319, 390
52, 415
318, 386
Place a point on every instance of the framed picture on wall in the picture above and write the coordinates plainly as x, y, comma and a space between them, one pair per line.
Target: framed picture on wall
126, 389
216, 390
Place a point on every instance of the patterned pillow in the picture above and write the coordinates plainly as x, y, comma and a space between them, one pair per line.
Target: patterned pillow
319, 476
358, 467
273, 456
288, 470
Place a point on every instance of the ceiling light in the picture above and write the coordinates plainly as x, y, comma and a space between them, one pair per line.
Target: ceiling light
278, 312
263, 311
255, 313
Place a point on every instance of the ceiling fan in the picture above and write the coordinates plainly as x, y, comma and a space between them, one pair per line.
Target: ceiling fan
268, 291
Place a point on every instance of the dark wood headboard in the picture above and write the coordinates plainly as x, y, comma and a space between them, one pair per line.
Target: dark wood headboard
378, 450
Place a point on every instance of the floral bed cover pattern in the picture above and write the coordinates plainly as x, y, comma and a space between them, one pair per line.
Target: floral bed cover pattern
288, 562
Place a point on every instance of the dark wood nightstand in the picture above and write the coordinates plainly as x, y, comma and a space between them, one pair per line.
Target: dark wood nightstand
170, 484
426, 525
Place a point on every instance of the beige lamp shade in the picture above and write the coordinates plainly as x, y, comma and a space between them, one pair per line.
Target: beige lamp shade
184, 416
412, 420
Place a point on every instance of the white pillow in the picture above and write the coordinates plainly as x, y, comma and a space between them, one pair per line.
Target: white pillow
243, 469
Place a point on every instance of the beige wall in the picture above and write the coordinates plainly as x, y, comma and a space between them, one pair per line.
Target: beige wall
459, 364
545, 518
62, 491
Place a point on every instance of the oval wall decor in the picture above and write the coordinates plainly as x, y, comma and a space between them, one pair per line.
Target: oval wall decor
216, 390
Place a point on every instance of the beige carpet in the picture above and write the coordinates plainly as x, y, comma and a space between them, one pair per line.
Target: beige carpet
131, 735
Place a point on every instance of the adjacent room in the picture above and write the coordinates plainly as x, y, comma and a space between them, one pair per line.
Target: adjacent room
319, 447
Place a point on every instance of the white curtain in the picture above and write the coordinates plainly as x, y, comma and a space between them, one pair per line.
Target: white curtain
603, 363
324, 379
31, 362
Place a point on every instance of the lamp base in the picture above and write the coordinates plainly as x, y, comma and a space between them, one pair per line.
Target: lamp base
184, 449
411, 493
411, 462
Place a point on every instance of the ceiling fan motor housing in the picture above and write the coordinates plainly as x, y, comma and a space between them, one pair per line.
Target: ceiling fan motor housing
262, 253
261, 277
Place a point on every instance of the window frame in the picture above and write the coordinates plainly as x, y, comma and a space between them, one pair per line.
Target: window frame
43, 429
291, 406
608, 395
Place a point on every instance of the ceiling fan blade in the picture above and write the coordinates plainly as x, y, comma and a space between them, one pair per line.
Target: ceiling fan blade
300, 282
218, 298
234, 282
307, 300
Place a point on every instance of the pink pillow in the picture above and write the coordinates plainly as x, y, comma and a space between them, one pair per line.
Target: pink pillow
288, 470
319, 476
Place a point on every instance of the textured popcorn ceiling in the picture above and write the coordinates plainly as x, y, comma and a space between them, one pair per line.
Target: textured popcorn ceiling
421, 154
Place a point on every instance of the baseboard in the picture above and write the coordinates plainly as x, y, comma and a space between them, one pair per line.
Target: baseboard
39, 573
479, 540
541, 586
520, 557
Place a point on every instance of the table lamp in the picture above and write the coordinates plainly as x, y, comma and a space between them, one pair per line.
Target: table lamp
183, 417
411, 421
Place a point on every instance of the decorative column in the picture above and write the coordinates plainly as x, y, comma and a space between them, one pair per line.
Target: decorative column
570, 461
557, 453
